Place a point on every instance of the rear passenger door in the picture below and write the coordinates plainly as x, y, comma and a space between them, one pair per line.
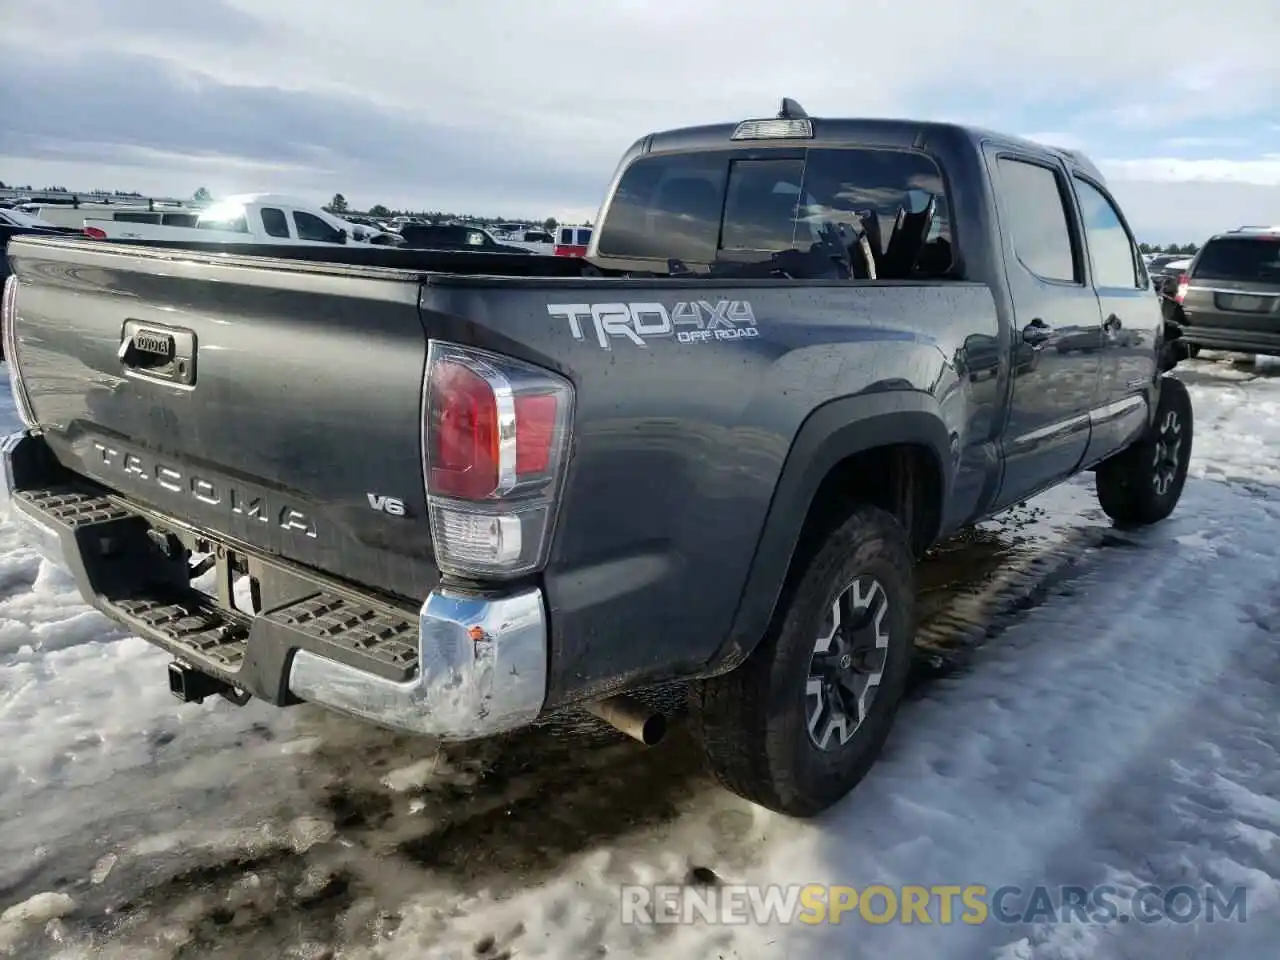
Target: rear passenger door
1131, 322
1057, 326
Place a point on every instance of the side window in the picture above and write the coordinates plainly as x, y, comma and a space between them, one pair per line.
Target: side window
1038, 226
131, 217
1112, 252
566, 237
584, 238
274, 222
232, 224
311, 227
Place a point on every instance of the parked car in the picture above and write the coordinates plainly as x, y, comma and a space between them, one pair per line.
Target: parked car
572, 241
16, 218
264, 218
377, 232
1229, 294
535, 241
1172, 268
454, 237
712, 451
1158, 262
73, 214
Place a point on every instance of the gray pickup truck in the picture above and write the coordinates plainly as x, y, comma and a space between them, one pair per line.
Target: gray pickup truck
454, 493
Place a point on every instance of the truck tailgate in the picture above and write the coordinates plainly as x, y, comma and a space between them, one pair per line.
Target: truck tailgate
276, 406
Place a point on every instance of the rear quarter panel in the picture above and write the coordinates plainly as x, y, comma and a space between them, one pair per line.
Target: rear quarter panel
679, 446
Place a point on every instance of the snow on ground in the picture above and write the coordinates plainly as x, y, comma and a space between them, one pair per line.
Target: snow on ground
1121, 731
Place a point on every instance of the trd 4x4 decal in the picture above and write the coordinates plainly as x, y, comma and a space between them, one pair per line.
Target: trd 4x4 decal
689, 321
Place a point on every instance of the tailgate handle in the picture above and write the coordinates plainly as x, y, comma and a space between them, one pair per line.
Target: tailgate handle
147, 349
155, 352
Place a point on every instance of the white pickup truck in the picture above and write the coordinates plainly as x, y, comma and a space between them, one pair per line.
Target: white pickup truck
249, 218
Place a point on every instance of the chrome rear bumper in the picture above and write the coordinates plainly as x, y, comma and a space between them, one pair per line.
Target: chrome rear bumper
482, 670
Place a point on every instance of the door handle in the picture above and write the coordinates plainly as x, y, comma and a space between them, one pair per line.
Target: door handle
1112, 324
1036, 332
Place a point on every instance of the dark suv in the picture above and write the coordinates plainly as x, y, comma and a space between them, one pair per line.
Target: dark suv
1230, 298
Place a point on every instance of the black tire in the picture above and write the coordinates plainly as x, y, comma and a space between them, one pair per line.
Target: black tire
1142, 484
754, 721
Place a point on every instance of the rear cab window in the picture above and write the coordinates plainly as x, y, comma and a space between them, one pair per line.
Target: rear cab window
1239, 259
748, 204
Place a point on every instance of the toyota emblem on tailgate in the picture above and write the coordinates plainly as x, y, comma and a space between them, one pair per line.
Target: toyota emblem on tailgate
147, 341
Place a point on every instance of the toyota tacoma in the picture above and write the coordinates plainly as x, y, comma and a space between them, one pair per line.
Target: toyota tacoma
453, 493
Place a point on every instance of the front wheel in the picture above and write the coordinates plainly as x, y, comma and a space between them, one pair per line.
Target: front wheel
1142, 484
799, 723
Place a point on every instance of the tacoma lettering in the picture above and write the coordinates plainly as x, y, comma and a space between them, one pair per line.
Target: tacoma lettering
209, 492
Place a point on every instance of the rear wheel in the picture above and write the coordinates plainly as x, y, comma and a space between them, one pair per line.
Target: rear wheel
1142, 485
799, 723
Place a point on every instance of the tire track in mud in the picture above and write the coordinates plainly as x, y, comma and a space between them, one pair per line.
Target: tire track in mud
360, 821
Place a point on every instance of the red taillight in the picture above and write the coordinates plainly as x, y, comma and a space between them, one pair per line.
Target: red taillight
466, 455
463, 433
95, 233
1184, 282
536, 419
495, 439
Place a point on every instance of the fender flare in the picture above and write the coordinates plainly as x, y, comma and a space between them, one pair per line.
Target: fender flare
831, 433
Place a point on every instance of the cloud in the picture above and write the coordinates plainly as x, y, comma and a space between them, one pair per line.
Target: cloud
511, 107
1190, 143
1178, 212
120, 109
184, 20
1264, 171
1058, 138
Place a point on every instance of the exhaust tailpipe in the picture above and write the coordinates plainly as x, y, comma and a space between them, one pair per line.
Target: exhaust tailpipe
631, 717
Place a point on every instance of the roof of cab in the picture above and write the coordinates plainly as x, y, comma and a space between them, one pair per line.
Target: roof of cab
885, 131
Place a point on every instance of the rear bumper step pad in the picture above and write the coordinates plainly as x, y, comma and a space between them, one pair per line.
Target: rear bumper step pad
124, 572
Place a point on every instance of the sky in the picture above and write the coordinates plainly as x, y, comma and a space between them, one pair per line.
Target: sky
521, 109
